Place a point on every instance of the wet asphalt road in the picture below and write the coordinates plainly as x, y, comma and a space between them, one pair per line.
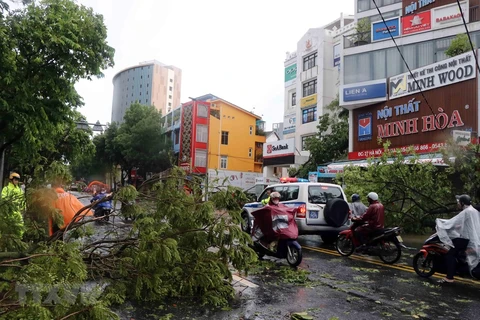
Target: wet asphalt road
338, 288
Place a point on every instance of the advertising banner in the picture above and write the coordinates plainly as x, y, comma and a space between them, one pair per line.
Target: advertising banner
336, 55
289, 123
443, 73
380, 30
417, 22
357, 92
450, 15
308, 101
313, 176
290, 74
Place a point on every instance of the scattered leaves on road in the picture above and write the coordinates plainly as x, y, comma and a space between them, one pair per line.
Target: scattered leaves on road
369, 270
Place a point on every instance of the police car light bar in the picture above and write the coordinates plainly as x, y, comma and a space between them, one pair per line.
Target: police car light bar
287, 180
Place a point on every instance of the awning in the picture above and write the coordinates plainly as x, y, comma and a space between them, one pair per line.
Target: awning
331, 170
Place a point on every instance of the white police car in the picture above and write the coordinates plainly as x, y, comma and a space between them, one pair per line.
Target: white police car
321, 207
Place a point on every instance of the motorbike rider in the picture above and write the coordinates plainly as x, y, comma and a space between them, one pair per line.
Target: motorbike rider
357, 207
274, 200
374, 216
460, 233
101, 205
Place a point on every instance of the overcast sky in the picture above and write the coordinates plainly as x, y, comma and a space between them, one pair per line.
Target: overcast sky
232, 49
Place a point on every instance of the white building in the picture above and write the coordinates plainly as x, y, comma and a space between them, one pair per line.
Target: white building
423, 30
312, 78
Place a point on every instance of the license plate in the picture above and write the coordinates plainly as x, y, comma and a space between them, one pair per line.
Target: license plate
313, 214
399, 239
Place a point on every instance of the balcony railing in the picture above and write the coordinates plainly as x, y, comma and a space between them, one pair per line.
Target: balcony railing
357, 39
474, 13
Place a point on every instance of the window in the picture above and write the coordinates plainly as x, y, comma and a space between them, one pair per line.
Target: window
309, 88
171, 80
294, 99
202, 111
304, 142
147, 85
286, 193
224, 137
140, 86
170, 88
251, 130
169, 104
321, 194
169, 97
223, 162
309, 61
202, 133
200, 158
309, 115
177, 137
249, 152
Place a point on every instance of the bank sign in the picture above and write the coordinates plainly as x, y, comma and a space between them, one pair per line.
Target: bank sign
382, 31
290, 74
417, 22
279, 148
457, 69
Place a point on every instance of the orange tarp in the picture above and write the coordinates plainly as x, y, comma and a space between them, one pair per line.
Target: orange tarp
69, 206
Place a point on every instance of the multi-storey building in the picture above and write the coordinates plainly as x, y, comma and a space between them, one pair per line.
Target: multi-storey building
149, 83
212, 133
311, 83
420, 103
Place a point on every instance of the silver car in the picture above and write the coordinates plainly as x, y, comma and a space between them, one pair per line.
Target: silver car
321, 208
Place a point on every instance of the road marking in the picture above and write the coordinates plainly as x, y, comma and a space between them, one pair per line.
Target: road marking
398, 267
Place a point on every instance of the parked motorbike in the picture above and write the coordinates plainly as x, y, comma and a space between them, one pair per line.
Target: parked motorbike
386, 243
277, 224
431, 259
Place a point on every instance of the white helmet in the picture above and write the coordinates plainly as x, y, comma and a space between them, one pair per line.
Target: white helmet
373, 196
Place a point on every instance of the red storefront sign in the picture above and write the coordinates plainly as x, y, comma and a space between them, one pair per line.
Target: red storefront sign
417, 22
419, 148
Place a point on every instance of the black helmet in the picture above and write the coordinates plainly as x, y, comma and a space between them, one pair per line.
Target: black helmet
355, 197
464, 199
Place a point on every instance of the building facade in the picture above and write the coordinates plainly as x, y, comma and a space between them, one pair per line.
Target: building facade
311, 82
149, 83
212, 133
436, 100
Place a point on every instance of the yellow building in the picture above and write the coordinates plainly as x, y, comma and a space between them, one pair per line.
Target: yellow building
235, 142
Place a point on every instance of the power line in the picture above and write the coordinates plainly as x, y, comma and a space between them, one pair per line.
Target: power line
468, 34
405, 61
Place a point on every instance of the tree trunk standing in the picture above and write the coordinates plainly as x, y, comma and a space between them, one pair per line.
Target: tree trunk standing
2, 167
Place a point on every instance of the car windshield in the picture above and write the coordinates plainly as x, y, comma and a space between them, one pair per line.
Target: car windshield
321, 194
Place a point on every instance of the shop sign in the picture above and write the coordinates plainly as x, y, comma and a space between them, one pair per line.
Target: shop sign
462, 138
279, 148
336, 55
366, 91
457, 69
449, 15
382, 31
418, 148
440, 121
289, 124
411, 7
308, 101
313, 176
290, 72
365, 126
417, 23
327, 172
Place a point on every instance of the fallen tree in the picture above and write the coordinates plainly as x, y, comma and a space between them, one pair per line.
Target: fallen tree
177, 247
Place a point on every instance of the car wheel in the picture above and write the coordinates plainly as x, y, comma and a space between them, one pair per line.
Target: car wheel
246, 222
336, 212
